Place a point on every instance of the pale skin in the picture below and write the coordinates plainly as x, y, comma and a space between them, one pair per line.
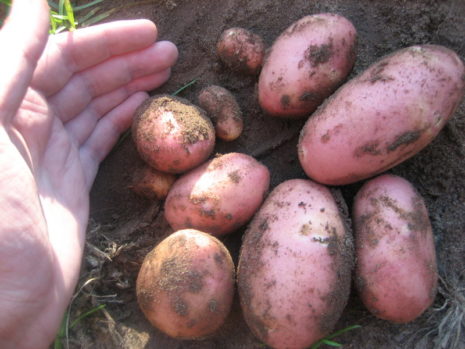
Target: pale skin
64, 101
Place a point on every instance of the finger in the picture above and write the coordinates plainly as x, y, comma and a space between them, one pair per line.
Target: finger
22, 40
111, 75
81, 127
71, 52
106, 134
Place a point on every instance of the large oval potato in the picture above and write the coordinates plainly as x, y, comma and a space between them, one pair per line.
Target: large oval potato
219, 196
396, 272
306, 63
185, 286
383, 116
171, 134
295, 264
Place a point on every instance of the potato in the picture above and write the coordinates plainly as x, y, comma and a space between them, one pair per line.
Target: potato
383, 116
306, 63
241, 50
222, 107
171, 134
185, 285
396, 272
295, 264
151, 184
219, 196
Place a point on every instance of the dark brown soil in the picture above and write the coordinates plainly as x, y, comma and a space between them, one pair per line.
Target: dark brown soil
125, 227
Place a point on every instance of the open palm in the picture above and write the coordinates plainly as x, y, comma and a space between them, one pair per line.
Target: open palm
64, 101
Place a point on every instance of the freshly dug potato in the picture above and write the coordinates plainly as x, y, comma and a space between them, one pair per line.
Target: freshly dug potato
185, 285
295, 265
151, 184
383, 116
396, 272
222, 107
171, 134
306, 63
241, 50
219, 196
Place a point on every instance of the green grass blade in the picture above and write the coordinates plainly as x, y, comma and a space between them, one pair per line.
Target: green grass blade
61, 6
331, 343
70, 15
90, 4
344, 330
86, 314
175, 93
57, 343
327, 340
88, 15
98, 18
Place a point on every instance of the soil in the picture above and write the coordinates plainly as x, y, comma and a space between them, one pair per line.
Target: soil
125, 227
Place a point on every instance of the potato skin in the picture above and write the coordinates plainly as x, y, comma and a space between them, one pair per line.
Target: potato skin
151, 184
295, 265
396, 272
306, 63
219, 196
241, 50
171, 134
383, 116
185, 286
222, 107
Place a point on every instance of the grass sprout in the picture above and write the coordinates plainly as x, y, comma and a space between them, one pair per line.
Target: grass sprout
328, 340
63, 14
66, 325
178, 91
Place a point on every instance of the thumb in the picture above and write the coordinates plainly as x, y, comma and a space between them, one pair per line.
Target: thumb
22, 39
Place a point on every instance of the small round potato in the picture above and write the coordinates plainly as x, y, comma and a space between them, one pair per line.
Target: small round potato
219, 196
171, 134
306, 63
222, 107
396, 272
384, 116
295, 266
241, 50
185, 286
151, 184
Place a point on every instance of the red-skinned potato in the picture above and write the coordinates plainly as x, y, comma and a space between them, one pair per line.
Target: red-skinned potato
396, 272
295, 264
219, 196
306, 63
383, 116
171, 134
223, 109
151, 184
241, 50
185, 285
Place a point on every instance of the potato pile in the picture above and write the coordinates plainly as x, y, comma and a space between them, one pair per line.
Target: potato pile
301, 246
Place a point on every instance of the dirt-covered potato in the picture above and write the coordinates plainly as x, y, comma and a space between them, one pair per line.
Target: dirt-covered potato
151, 184
185, 286
223, 109
306, 63
396, 272
295, 264
383, 116
219, 196
241, 50
171, 134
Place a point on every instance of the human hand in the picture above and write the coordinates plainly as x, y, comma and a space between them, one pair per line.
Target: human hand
64, 101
